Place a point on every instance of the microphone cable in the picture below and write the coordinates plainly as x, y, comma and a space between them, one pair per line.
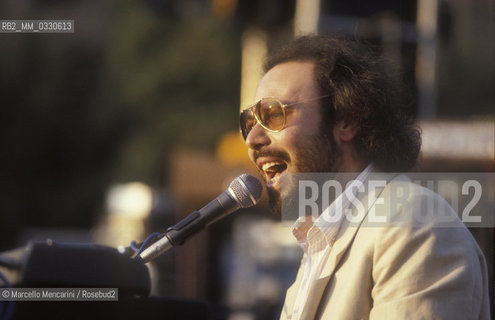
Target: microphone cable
140, 248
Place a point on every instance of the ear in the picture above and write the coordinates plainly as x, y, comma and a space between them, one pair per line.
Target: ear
344, 132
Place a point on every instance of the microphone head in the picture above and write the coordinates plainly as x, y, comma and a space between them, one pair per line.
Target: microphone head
246, 189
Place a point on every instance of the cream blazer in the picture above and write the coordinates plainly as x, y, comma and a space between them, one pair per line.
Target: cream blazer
399, 271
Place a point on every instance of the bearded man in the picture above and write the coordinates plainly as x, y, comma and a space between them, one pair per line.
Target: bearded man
324, 105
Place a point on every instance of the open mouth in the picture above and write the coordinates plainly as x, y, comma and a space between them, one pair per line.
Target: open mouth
273, 171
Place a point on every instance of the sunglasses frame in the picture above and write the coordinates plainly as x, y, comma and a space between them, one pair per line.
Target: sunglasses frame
254, 109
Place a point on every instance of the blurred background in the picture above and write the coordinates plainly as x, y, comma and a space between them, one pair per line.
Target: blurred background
130, 123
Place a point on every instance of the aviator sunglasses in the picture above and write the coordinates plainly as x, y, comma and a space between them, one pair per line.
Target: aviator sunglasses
270, 113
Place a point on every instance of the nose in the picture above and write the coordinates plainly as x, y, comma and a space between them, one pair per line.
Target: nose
257, 138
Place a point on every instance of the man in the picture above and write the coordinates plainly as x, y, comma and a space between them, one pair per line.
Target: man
325, 106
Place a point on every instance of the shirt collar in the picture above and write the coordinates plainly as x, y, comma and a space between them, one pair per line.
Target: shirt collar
315, 226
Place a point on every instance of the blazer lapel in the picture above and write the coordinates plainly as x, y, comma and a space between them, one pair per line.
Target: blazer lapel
342, 243
291, 294
315, 293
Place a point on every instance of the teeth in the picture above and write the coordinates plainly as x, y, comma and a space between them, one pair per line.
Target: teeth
274, 179
270, 164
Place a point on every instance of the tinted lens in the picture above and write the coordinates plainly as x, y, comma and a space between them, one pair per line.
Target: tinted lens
271, 114
247, 122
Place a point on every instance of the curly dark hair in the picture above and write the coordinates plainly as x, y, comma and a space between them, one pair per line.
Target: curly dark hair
360, 92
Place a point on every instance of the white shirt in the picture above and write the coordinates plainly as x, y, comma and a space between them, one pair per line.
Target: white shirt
316, 238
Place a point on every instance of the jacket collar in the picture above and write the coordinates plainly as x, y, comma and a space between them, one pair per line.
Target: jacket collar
344, 239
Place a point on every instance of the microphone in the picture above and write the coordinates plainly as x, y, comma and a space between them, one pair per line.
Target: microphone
243, 192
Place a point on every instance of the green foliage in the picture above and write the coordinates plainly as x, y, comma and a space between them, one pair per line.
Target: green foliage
78, 115
180, 78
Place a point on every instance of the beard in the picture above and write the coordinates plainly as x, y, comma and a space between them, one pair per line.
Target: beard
318, 154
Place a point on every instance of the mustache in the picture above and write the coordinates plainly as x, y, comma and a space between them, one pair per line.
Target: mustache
272, 153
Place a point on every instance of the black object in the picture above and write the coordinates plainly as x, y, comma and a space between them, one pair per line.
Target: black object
59, 265
124, 309
52, 264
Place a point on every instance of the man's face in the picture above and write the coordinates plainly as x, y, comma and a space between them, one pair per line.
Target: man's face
306, 144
